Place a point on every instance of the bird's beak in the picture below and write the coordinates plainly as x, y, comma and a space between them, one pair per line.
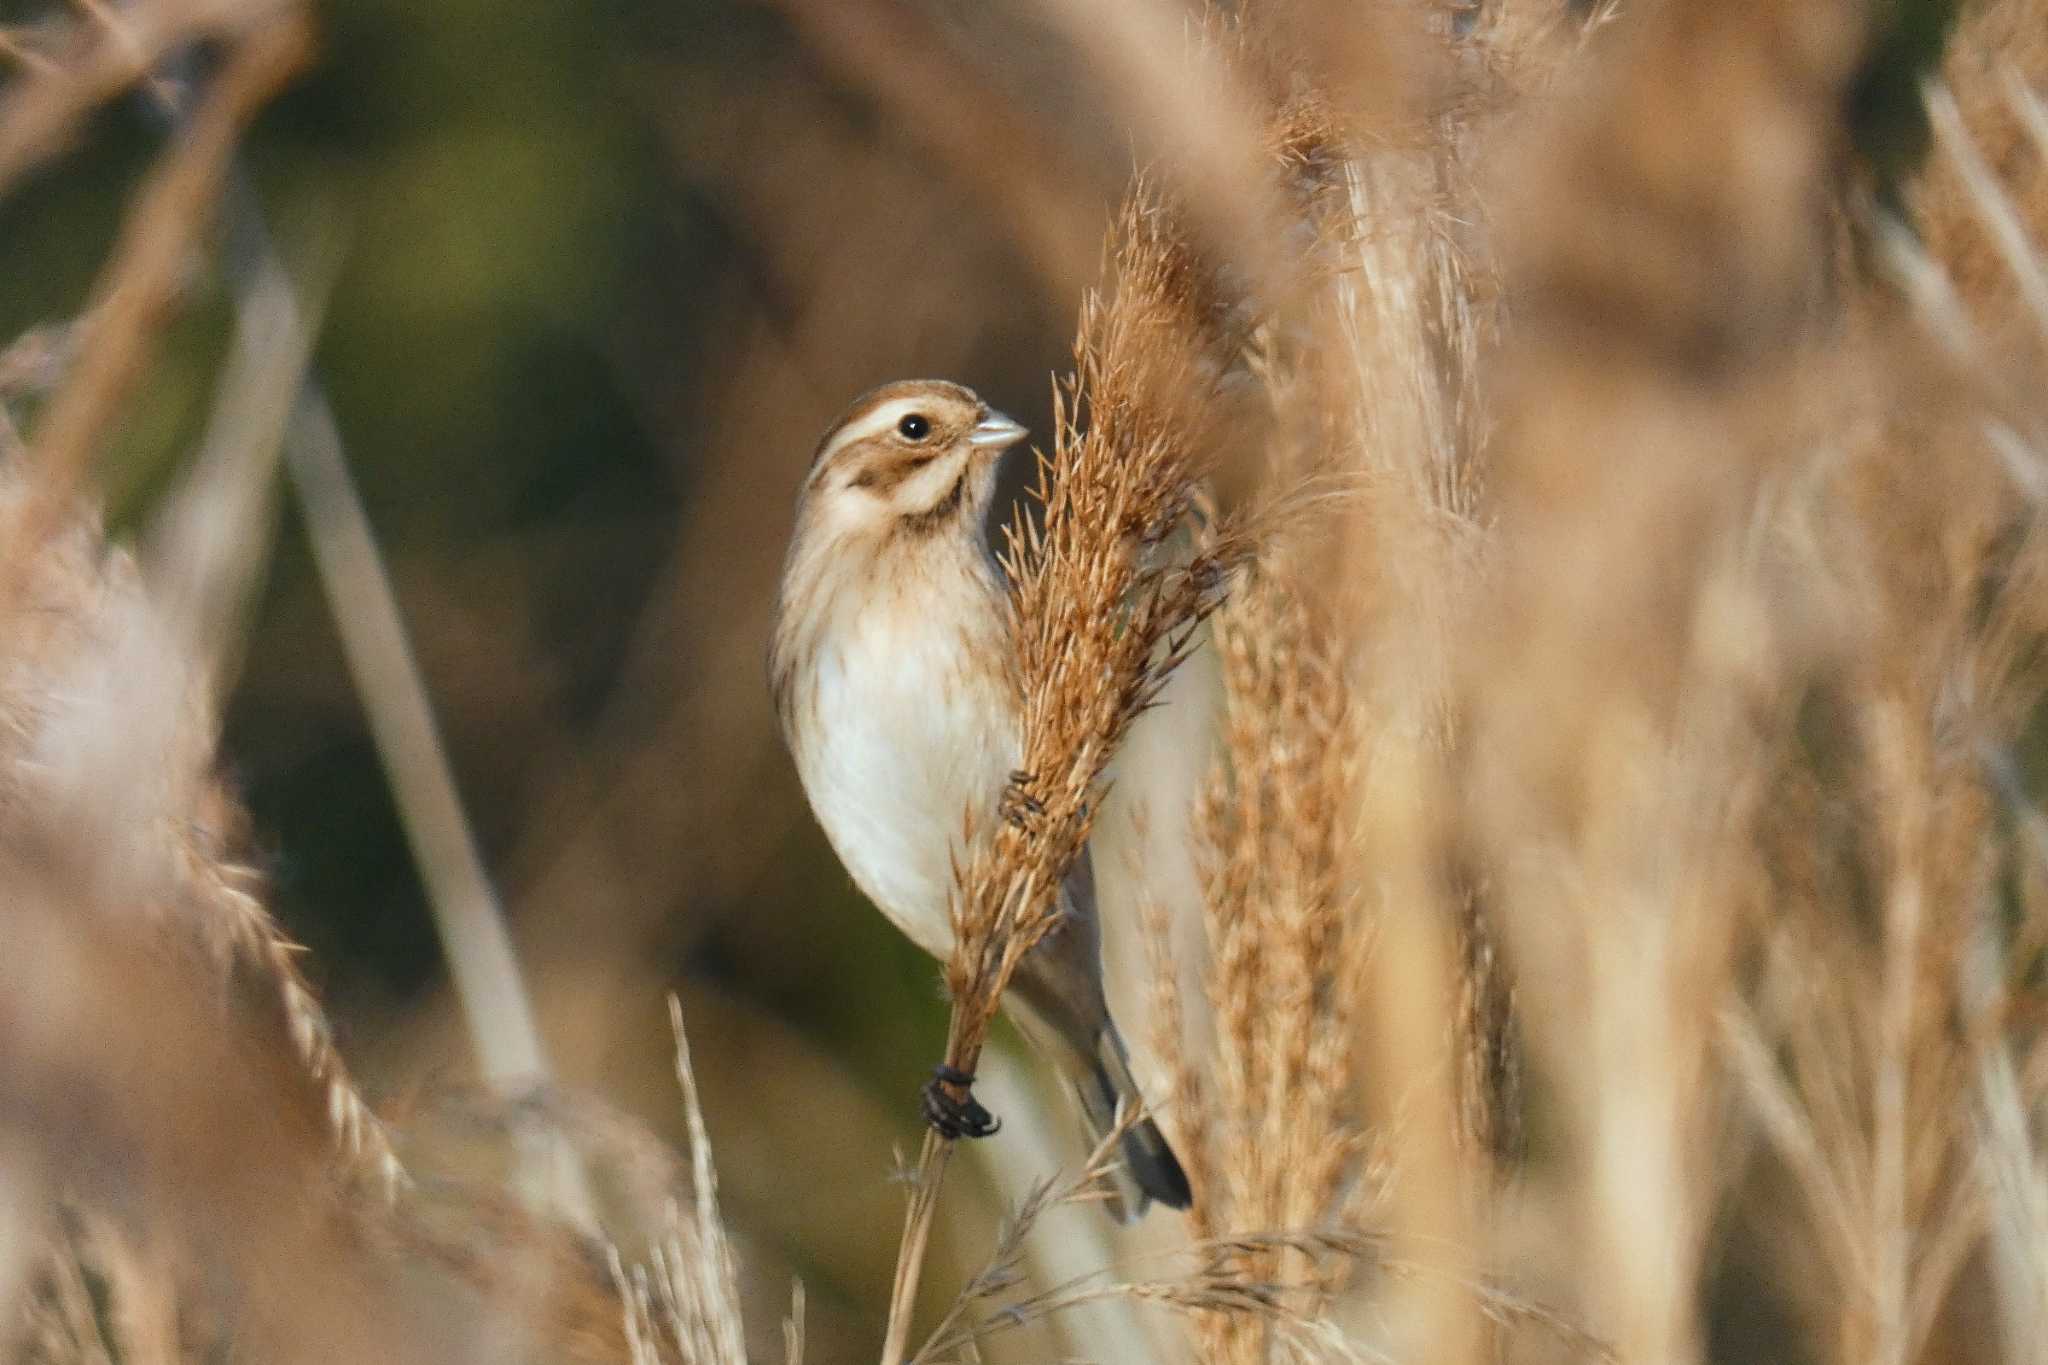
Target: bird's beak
995, 432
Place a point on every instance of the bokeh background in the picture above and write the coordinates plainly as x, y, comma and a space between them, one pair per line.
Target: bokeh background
594, 275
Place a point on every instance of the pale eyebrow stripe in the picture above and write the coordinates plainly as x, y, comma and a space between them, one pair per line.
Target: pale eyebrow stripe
874, 423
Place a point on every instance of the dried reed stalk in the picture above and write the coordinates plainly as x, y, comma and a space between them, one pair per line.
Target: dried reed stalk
182, 1120
466, 910
186, 1124
1100, 622
989, 1300
1282, 1146
1896, 1105
122, 850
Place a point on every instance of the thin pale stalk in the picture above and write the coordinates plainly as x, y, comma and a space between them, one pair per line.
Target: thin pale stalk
917, 1231
1891, 1233
493, 996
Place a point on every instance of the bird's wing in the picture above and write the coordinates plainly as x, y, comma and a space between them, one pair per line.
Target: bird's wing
1061, 979
1059, 983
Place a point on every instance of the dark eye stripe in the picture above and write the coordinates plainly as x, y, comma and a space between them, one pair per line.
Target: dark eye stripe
883, 477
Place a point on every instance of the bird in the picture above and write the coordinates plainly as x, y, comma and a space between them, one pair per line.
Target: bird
891, 667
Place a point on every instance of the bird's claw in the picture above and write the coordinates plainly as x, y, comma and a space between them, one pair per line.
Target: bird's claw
1018, 806
952, 1110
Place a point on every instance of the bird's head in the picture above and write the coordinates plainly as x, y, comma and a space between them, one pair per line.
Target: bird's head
914, 458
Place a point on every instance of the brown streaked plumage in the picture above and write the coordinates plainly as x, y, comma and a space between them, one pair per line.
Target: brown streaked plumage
891, 669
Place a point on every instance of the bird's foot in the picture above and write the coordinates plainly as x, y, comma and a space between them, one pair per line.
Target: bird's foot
1017, 805
950, 1108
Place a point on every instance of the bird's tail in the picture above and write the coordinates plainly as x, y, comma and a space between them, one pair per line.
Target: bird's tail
1148, 1170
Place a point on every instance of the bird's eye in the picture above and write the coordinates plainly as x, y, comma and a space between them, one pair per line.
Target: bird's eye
914, 427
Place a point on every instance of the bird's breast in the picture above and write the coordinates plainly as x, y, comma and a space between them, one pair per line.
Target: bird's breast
912, 725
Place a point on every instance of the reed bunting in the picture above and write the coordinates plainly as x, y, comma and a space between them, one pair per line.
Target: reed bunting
891, 668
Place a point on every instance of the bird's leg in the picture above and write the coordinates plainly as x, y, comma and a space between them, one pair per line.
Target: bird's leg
950, 1107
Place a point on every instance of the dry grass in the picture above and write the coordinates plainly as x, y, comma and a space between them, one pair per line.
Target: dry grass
1620, 870
1649, 668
